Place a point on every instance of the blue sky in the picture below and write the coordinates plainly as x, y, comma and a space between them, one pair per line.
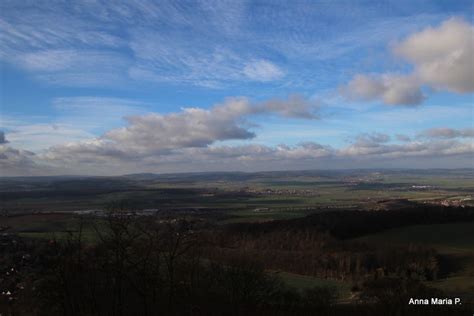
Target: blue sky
271, 85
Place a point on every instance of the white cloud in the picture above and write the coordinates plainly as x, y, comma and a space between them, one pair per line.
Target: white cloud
254, 157
441, 57
50, 60
106, 156
38, 29
154, 133
193, 127
160, 57
73, 67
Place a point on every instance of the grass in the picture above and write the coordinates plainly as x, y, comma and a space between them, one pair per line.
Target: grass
302, 282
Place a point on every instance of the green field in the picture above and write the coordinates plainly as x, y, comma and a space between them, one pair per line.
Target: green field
235, 191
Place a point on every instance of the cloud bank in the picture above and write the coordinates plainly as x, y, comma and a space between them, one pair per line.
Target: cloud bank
447, 133
195, 139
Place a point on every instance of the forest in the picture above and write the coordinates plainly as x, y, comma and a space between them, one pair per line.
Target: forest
182, 266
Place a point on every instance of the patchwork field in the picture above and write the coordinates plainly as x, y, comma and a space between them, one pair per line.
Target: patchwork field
234, 192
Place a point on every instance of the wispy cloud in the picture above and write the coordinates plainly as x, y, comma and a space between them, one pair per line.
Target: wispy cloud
262, 70
207, 44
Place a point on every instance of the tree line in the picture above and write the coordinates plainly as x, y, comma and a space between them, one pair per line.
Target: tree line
150, 266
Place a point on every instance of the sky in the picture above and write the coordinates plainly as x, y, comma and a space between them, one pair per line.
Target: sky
115, 87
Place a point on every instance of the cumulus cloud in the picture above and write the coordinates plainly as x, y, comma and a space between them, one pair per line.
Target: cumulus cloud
262, 70
441, 59
442, 56
391, 89
193, 127
369, 139
294, 107
153, 133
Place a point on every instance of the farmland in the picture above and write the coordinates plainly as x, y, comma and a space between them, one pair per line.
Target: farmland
236, 192
333, 234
